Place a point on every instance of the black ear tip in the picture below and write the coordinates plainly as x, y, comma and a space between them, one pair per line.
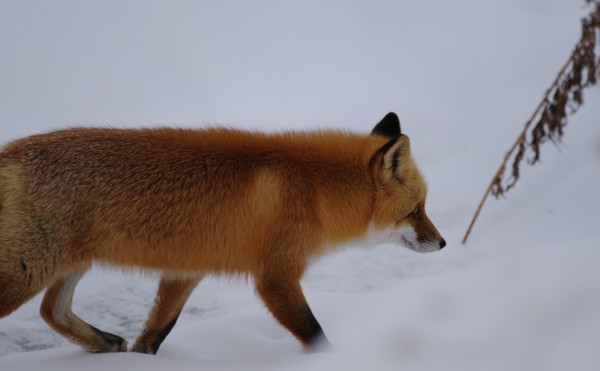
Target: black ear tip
389, 126
392, 117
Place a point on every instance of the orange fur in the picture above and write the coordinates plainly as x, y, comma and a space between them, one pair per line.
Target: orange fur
188, 203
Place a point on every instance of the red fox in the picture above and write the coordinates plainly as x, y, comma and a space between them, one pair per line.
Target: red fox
188, 203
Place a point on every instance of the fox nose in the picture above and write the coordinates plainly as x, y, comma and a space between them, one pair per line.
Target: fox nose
442, 243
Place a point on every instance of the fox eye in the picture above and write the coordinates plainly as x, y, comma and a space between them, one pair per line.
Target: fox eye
415, 212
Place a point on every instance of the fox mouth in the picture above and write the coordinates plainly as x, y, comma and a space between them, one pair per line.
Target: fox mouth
422, 246
407, 242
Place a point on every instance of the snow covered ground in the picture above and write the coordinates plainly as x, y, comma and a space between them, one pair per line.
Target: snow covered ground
524, 294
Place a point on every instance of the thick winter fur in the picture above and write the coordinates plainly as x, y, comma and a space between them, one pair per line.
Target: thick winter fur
195, 202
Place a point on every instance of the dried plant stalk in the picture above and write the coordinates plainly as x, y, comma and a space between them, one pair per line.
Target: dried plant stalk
564, 97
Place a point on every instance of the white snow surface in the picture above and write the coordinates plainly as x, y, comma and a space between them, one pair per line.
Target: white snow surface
464, 75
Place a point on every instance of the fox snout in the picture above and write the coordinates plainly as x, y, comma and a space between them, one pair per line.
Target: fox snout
420, 235
411, 239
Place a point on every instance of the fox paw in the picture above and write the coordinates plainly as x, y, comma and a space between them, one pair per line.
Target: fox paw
108, 343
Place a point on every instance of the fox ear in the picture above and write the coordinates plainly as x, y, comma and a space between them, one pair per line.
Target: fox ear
389, 126
394, 158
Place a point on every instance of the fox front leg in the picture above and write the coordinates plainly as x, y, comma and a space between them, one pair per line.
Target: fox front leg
284, 298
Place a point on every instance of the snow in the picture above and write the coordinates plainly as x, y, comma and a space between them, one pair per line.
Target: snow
463, 77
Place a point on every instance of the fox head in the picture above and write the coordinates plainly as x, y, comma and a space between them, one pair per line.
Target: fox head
399, 209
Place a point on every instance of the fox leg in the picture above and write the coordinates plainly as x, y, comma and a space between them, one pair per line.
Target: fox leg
56, 311
172, 294
23, 272
15, 290
284, 298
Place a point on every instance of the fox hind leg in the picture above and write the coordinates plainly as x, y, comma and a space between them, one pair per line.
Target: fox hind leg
56, 311
14, 293
172, 294
19, 280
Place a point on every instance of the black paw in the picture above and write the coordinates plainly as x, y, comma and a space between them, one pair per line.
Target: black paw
109, 344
